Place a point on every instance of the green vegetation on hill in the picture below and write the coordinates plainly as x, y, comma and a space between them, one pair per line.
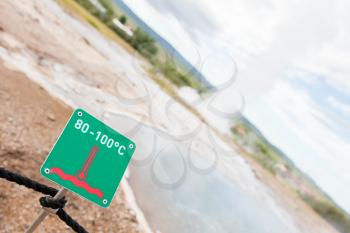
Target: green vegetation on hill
123, 19
143, 43
330, 212
106, 31
251, 140
177, 76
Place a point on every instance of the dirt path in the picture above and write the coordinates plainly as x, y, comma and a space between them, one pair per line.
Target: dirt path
30, 122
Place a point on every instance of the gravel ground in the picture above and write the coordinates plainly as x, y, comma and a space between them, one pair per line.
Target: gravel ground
30, 122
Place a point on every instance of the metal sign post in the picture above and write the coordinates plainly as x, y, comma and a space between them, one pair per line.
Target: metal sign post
44, 213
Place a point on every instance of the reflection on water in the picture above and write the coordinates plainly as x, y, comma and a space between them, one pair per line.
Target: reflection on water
176, 198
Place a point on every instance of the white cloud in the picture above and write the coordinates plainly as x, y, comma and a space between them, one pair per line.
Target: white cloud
168, 26
345, 108
264, 37
307, 138
331, 62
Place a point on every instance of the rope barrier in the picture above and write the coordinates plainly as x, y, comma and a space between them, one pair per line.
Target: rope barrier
56, 206
31, 184
70, 221
49, 202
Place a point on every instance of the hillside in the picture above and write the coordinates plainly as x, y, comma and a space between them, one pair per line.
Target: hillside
257, 146
169, 48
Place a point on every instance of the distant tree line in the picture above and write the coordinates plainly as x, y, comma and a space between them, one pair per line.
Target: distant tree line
143, 43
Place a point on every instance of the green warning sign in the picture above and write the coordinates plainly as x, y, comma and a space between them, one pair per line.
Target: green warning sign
89, 158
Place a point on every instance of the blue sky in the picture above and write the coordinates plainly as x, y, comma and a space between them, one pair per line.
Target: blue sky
293, 66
